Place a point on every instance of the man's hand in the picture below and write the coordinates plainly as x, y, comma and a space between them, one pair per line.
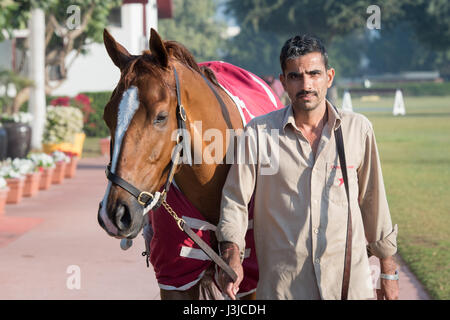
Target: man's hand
389, 288
230, 253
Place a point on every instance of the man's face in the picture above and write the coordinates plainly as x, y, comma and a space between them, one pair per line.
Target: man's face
306, 81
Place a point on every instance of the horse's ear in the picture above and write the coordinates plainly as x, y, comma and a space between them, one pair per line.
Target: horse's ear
158, 49
118, 54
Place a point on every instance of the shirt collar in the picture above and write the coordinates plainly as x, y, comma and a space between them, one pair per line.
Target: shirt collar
334, 117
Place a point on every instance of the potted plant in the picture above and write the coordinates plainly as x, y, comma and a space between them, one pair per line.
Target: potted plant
14, 180
15, 123
3, 142
28, 169
61, 161
71, 166
46, 165
64, 130
105, 144
4, 190
18, 131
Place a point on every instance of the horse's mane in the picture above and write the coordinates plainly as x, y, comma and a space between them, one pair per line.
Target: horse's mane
146, 63
182, 54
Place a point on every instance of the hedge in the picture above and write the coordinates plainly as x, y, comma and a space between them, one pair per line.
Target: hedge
408, 88
96, 126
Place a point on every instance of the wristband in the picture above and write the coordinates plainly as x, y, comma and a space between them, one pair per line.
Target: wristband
390, 276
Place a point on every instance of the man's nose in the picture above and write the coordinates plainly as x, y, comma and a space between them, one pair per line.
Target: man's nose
307, 83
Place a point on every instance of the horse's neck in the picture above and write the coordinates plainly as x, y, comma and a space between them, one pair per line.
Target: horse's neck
202, 183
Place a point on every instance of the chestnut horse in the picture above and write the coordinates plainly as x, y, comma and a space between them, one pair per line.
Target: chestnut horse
141, 116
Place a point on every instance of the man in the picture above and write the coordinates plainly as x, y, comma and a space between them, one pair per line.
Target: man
300, 212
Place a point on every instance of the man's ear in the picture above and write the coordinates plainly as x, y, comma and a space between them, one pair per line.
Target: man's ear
118, 54
158, 49
330, 77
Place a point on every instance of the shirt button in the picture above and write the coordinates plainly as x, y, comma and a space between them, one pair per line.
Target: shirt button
316, 231
317, 260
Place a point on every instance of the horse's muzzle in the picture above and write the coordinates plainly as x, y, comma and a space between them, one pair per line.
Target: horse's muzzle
121, 221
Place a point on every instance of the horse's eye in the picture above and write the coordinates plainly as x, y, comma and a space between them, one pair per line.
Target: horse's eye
161, 117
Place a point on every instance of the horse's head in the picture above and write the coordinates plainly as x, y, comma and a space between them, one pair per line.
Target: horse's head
141, 117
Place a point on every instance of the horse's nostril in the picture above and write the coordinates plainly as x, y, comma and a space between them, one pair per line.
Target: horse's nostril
123, 217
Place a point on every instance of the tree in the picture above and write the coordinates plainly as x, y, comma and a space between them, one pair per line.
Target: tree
323, 18
430, 20
195, 26
257, 52
346, 54
61, 37
266, 25
342, 25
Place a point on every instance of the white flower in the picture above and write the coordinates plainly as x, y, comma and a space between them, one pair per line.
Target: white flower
60, 156
19, 117
62, 123
7, 170
42, 160
3, 184
24, 166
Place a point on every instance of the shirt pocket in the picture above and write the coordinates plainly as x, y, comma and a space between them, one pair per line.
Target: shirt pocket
334, 184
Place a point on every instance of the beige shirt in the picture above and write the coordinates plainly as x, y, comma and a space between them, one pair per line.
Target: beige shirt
301, 208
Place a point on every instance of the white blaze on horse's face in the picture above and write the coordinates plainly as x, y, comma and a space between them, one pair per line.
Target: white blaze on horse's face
128, 106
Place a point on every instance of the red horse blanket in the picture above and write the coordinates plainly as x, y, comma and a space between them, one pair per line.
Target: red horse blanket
178, 263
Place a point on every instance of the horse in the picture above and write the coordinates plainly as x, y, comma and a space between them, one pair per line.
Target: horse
155, 90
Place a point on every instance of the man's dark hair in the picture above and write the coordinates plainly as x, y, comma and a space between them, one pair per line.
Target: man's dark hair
300, 46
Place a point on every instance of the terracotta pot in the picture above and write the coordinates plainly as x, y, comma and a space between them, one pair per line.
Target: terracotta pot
15, 193
104, 146
31, 186
58, 174
3, 196
71, 167
46, 179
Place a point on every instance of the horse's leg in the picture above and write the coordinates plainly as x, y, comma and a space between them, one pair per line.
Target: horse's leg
251, 296
205, 289
190, 294
208, 289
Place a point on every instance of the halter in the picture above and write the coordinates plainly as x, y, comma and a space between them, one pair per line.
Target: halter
148, 199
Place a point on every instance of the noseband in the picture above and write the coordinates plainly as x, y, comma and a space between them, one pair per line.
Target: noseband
154, 200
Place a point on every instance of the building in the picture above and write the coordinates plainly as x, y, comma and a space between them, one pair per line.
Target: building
129, 24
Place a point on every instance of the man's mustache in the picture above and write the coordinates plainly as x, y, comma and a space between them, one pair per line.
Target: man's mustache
304, 92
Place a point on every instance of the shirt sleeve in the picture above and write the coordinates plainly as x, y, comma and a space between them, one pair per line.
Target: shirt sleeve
238, 190
380, 235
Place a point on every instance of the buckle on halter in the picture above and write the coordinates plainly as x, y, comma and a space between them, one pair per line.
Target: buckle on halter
182, 112
142, 194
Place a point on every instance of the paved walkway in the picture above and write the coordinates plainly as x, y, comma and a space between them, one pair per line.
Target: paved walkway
48, 240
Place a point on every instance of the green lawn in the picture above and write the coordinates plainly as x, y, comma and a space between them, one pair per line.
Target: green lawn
415, 157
